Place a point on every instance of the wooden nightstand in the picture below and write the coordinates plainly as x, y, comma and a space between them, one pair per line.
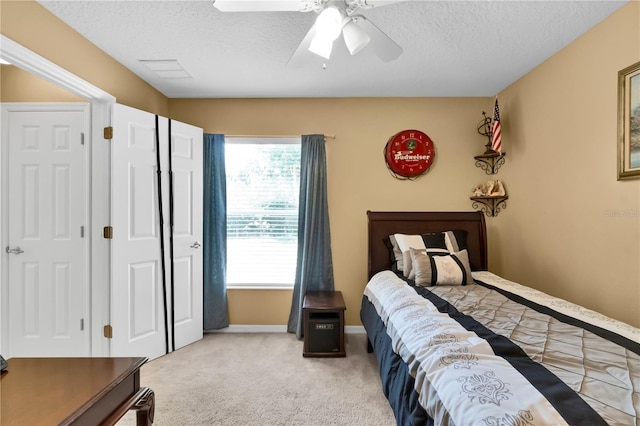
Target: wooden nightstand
323, 324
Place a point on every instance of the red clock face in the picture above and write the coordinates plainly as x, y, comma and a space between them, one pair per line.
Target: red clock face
409, 153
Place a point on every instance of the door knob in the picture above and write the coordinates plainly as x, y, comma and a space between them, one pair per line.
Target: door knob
195, 245
16, 250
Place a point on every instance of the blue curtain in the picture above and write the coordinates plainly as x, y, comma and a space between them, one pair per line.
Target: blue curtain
216, 309
314, 268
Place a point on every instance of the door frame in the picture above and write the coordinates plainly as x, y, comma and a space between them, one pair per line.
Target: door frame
98, 173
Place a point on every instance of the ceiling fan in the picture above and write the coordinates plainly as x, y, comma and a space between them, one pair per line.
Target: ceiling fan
335, 18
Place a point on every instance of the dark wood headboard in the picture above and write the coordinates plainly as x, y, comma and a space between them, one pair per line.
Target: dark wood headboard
383, 224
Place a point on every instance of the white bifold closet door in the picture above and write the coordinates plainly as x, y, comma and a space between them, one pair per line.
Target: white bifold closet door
155, 309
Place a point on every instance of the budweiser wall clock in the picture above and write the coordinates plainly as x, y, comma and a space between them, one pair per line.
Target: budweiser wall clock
409, 154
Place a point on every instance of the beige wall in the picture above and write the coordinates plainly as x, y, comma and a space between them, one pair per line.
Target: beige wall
571, 229
17, 85
358, 179
34, 27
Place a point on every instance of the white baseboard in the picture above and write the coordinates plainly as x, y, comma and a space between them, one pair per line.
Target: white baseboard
249, 328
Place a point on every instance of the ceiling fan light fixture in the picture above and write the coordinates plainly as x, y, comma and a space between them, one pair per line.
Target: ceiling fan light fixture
328, 27
355, 37
321, 46
329, 23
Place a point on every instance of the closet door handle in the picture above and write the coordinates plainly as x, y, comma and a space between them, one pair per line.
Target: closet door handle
195, 245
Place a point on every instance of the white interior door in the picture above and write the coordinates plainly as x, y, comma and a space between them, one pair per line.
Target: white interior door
186, 157
48, 287
137, 292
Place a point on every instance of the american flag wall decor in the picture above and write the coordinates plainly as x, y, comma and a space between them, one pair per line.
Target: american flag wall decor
496, 130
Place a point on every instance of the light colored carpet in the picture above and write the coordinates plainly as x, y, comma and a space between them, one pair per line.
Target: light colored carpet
263, 379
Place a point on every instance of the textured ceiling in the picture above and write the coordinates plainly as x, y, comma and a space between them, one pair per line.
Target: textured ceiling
451, 48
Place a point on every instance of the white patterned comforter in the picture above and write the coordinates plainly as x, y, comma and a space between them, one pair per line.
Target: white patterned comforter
550, 373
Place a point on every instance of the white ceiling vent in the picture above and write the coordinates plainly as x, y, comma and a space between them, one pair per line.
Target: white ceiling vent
166, 68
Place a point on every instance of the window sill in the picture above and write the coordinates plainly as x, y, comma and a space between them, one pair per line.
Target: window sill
259, 287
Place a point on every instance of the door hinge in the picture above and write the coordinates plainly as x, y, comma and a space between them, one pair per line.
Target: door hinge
81, 324
107, 232
108, 331
82, 232
108, 132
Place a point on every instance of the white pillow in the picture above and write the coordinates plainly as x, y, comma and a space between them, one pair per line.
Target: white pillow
406, 242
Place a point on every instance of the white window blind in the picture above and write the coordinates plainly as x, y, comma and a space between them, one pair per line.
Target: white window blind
263, 184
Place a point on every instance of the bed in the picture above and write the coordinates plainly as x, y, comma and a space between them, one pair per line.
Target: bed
477, 349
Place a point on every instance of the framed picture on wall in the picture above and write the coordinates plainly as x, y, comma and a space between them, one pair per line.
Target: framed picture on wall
629, 122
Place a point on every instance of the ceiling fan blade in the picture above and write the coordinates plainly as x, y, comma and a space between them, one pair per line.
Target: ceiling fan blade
264, 5
382, 44
302, 51
366, 4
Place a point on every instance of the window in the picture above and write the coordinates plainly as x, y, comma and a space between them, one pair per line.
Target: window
263, 185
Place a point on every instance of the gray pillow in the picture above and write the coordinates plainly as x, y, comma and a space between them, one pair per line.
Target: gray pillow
441, 269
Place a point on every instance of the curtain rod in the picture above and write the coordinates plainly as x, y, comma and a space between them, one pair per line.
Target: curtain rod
273, 136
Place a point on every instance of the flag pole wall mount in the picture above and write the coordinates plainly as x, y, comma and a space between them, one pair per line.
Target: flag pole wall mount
490, 161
